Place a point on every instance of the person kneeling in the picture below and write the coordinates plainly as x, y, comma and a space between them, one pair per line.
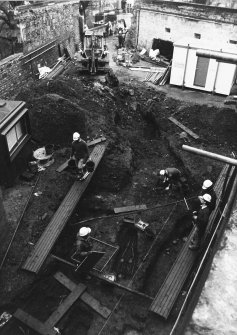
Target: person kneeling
171, 177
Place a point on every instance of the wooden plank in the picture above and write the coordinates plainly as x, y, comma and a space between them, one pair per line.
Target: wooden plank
65, 305
60, 218
173, 273
180, 125
85, 297
33, 323
96, 141
129, 208
89, 144
63, 166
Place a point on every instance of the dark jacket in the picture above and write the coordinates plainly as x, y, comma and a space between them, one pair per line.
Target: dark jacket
83, 247
212, 193
202, 220
80, 150
172, 174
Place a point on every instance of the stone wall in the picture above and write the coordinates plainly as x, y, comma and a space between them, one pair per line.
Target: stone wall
39, 25
12, 76
46, 31
174, 20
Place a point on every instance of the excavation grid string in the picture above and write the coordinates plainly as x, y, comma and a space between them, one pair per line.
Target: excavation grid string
132, 212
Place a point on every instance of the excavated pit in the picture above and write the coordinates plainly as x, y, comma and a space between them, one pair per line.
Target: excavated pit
141, 141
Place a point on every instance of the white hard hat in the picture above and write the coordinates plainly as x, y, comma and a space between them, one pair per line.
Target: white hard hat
206, 184
84, 231
162, 172
207, 197
76, 136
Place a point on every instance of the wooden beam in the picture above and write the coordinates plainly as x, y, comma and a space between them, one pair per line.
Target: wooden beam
180, 125
65, 305
85, 297
33, 323
129, 209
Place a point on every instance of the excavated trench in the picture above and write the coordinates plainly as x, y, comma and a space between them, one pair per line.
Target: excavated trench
141, 141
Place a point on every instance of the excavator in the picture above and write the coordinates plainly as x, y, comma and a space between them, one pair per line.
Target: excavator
94, 58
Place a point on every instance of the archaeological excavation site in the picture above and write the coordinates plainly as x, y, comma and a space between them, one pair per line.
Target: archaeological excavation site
118, 166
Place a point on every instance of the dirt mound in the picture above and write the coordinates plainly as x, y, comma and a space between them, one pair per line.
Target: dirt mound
210, 123
196, 168
54, 120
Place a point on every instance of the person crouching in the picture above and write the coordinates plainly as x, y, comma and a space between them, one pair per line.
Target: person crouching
171, 177
83, 245
79, 152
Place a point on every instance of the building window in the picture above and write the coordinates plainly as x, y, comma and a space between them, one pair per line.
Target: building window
198, 36
16, 134
232, 42
167, 30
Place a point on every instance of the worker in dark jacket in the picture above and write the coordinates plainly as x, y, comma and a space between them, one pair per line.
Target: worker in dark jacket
201, 221
80, 153
120, 38
207, 188
83, 245
171, 176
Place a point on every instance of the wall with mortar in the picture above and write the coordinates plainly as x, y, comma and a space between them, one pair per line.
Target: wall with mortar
39, 25
173, 21
12, 76
55, 26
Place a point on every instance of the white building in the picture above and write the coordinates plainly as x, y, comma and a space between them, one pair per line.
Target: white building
203, 73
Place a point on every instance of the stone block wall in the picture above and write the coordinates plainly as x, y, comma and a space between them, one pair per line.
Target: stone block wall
40, 25
12, 76
46, 30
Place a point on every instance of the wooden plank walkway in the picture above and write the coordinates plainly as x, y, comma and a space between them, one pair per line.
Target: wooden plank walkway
180, 125
33, 323
89, 144
41, 250
85, 297
171, 287
65, 305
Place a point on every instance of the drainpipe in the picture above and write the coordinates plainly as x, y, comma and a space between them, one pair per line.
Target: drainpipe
185, 66
219, 56
210, 155
214, 85
138, 25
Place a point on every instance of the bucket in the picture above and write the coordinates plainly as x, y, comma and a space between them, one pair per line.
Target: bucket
90, 165
49, 148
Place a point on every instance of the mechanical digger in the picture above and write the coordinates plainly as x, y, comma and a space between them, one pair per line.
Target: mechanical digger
95, 57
